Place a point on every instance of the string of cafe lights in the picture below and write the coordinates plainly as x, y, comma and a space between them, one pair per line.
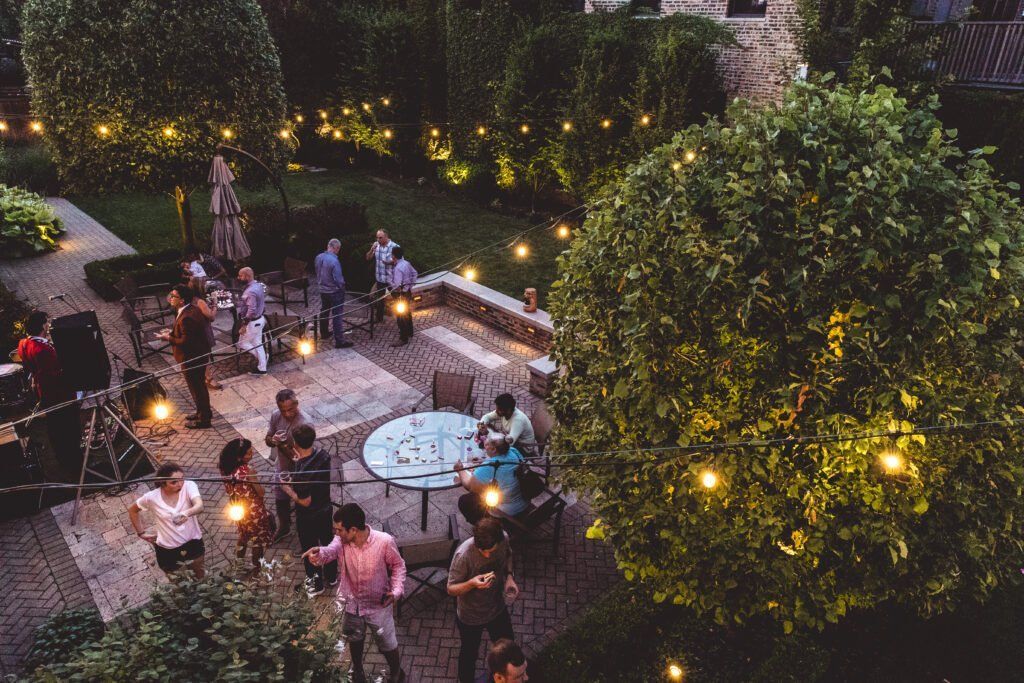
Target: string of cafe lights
520, 249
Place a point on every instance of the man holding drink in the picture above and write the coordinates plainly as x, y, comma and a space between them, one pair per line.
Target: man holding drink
283, 421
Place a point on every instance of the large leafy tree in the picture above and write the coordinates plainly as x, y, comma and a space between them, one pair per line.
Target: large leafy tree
830, 265
137, 94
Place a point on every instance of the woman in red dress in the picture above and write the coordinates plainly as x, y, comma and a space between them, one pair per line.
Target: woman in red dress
255, 525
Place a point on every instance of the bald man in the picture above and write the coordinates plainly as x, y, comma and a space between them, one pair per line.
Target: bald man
251, 321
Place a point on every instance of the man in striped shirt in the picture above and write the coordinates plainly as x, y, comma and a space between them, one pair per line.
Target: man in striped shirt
366, 592
384, 265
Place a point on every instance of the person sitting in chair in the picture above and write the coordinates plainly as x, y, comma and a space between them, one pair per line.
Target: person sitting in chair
500, 469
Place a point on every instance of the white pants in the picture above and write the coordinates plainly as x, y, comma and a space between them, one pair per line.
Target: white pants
251, 339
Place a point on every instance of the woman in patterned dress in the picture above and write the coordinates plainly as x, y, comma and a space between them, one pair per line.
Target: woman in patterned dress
242, 488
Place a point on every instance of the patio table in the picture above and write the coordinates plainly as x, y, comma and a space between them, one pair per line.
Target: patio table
423, 446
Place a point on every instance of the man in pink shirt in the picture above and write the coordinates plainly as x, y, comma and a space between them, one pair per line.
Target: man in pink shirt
366, 592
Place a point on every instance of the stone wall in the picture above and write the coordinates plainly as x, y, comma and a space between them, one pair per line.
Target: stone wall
768, 57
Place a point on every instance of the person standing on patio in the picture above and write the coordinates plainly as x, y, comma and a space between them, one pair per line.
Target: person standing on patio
366, 592
332, 293
191, 348
251, 321
243, 489
310, 490
384, 265
174, 504
480, 579
403, 277
281, 439
507, 419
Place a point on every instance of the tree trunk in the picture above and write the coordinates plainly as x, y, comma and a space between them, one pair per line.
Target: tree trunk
188, 238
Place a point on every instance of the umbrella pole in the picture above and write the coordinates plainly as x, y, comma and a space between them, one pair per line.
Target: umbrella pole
188, 237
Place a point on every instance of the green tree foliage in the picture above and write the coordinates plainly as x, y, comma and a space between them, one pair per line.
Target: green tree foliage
833, 264
218, 629
138, 68
28, 225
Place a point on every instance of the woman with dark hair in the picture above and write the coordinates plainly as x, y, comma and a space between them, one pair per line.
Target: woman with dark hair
255, 524
174, 505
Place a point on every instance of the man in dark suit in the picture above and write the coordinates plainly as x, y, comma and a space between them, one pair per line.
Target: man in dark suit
192, 348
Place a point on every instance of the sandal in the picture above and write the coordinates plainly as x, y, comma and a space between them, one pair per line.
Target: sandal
212, 384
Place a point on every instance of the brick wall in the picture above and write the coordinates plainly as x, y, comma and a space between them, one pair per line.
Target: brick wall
768, 56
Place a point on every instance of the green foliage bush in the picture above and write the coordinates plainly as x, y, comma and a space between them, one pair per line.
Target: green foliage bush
13, 312
984, 118
30, 167
146, 269
28, 225
218, 629
833, 264
62, 637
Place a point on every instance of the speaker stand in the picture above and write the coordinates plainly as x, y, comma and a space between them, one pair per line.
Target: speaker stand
104, 407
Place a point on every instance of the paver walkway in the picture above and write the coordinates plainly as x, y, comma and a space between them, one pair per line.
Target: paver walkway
50, 565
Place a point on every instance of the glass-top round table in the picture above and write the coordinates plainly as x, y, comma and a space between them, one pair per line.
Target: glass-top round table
424, 448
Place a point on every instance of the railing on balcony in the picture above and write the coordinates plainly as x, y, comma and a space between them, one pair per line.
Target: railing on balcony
980, 52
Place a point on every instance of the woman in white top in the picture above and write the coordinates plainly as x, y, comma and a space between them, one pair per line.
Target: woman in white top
174, 505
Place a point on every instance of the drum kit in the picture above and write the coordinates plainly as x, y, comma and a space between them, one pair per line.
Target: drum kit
15, 394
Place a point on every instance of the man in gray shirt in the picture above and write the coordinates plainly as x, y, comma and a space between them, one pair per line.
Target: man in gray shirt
481, 580
283, 421
251, 321
332, 293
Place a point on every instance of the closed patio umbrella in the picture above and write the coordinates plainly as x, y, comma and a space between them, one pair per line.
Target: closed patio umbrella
227, 238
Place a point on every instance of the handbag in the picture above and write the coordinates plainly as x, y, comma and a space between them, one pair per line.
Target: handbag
531, 484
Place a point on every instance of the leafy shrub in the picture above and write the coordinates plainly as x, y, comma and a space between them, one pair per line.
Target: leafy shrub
833, 264
1002, 126
13, 312
215, 629
62, 636
28, 225
146, 269
31, 167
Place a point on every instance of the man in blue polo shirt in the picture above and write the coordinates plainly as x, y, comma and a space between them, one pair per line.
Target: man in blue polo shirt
498, 469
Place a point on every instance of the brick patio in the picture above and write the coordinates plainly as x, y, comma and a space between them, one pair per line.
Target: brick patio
50, 565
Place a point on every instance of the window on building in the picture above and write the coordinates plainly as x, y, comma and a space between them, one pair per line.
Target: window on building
747, 8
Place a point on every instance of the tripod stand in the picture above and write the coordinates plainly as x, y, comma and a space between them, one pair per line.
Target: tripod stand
106, 415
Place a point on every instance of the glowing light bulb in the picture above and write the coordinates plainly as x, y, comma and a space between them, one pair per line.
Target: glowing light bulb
644, 120
606, 123
168, 132
690, 156
709, 479
386, 102
102, 130
236, 512
675, 672
346, 111
336, 134
522, 251
227, 133
36, 127
676, 165
305, 347
892, 462
161, 411
388, 134
285, 133
524, 129
481, 131
299, 118
567, 126
563, 231
401, 307
434, 132
492, 496
366, 107
323, 114
469, 274
3, 126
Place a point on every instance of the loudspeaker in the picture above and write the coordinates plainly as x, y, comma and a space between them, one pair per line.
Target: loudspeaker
142, 396
82, 353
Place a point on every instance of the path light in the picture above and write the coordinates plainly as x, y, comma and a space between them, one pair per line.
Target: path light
102, 130
285, 133
892, 462
566, 126
401, 307
227, 133
236, 512
644, 120
522, 251
469, 274
36, 127
434, 132
606, 123
168, 132
492, 496
675, 671
708, 479
563, 231
161, 410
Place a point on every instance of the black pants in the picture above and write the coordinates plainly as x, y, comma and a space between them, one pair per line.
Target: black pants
499, 627
64, 429
195, 377
315, 529
380, 300
404, 319
284, 514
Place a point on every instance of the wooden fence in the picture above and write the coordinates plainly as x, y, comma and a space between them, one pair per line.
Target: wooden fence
980, 52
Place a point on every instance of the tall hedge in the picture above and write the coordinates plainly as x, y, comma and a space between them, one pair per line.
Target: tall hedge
140, 67
830, 265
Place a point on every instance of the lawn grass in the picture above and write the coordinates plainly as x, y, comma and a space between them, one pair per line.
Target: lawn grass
435, 230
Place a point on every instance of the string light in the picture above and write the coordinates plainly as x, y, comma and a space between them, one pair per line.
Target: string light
36, 127
345, 111
708, 479
676, 165
606, 123
566, 126
102, 130
469, 274
892, 462
323, 114
388, 134
336, 134
299, 118
236, 512
492, 496
168, 132
227, 133
434, 132
563, 231
644, 120
690, 156
161, 411
675, 672
522, 251
305, 347
3, 126
481, 131
385, 101
401, 307
524, 129
285, 133
366, 106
